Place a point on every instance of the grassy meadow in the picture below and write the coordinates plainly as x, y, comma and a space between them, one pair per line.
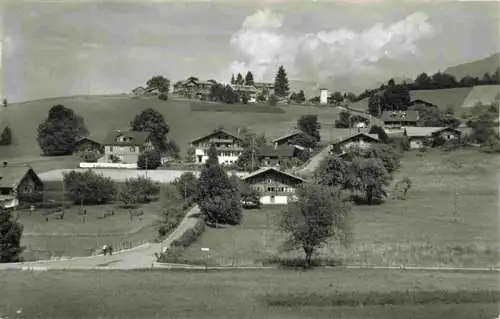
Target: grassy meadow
320, 293
103, 113
449, 218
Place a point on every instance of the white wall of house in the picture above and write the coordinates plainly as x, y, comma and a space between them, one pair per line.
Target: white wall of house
323, 96
225, 157
127, 154
278, 199
361, 143
108, 165
416, 143
14, 202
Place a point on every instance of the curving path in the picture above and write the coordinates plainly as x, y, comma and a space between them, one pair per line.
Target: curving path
139, 257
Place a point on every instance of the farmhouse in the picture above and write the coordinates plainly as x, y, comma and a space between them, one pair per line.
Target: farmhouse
193, 88
419, 136
18, 183
359, 139
249, 90
394, 120
273, 155
85, 144
228, 147
125, 146
274, 186
286, 139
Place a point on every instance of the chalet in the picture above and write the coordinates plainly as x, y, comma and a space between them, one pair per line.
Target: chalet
265, 88
419, 136
193, 88
359, 139
274, 186
139, 91
394, 120
229, 147
18, 183
273, 155
250, 90
286, 139
85, 144
125, 146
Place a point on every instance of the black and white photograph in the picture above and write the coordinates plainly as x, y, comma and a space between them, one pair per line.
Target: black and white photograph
249, 159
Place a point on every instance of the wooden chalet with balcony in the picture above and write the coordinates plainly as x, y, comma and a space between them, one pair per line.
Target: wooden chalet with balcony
228, 145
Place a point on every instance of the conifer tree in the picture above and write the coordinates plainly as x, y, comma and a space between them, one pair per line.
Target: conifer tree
10, 238
249, 78
281, 88
233, 81
6, 136
239, 79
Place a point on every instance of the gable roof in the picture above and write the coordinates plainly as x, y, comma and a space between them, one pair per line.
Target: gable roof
442, 98
12, 174
215, 132
271, 169
287, 136
400, 116
427, 131
86, 138
138, 138
280, 151
372, 137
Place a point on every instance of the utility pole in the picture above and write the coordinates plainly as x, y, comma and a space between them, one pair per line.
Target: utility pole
146, 158
253, 152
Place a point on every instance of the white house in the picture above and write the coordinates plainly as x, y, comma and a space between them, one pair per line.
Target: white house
274, 186
125, 146
359, 139
228, 147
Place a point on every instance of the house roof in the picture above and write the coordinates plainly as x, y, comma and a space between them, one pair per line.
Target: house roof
287, 136
400, 116
87, 138
138, 138
442, 98
280, 151
12, 174
373, 137
426, 131
270, 169
215, 132
485, 94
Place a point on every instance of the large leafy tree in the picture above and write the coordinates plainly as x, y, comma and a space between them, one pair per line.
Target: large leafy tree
150, 120
159, 82
11, 232
216, 196
149, 160
57, 135
252, 142
186, 185
319, 214
309, 124
138, 190
333, 171
249, 78
225, 94
371, 178
281, 88
89, 188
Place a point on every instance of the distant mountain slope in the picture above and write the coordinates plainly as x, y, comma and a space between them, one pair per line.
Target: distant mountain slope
475, 68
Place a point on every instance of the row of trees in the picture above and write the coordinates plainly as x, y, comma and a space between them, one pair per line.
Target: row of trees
239, 80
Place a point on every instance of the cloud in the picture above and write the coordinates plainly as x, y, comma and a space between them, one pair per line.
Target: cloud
317, 56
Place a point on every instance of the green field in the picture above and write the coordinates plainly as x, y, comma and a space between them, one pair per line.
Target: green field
103, 113
321, 293
432, 227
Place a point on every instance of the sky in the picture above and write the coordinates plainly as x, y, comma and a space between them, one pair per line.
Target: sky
105, 47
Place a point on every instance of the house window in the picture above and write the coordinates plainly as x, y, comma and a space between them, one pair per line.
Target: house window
5, 191
132, 149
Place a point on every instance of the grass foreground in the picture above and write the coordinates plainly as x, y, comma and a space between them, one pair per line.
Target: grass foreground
319, 293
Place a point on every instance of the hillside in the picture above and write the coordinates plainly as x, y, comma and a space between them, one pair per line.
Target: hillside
103, 113
475, 68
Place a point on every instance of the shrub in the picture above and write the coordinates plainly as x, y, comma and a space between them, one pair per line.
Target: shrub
89, 188
138, 190
163, 96
89, 156
6, 136
191, 235
272, 100
149, 160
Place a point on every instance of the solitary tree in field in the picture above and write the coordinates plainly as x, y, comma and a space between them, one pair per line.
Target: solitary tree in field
6, 136
159, 82
58, 133
319, 214
150, 120
216, 196
370, 179
249, 78
10, 238
281, 88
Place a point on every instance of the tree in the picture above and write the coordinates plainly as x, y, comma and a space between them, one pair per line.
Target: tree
423, 81
350, 96
319, 214
387, 155
150, 120
334, 172
376, 104
5, 103
442, 80
273, 100
138, 190
233, 81
309, 124
225, 94
343, 120
149, 160
239, 79
216, 196
281, 88
404, 185
304, 140
251, 144
336, 97
172, 149
163, 96
89, 156
58, 133
159, 82
371, 178
11, 232
186, 185
88, 187
6, 136
382, 135
244, 98
300, 97
249, 78
396, 98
